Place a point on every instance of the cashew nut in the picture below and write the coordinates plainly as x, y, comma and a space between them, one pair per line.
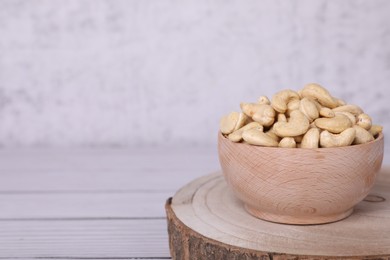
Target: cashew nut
311, 138
292, 105
335, 124
326, 112
263, 100
351, 117
265, 115
375, 130
341, 102
362, 135
282, 118
272, 134
345, 138
317, 104
353, 109
236, 136
309, 109
256, 136
280, 99
249, 108
287, 142
320, 94
364, 121
242, 120
296, 125
228, 123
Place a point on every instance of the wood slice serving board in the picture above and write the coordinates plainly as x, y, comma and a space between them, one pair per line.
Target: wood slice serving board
206, 221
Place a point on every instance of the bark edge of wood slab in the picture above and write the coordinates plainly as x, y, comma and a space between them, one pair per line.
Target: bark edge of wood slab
187, 243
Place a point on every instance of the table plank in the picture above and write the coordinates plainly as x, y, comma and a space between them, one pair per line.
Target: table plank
83, 205
84, 258
84, 239
97, 180
101, 170
103, 159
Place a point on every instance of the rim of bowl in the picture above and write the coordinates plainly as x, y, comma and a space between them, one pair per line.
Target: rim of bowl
377, 139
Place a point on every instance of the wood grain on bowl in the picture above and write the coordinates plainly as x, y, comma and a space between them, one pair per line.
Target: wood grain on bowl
300, 186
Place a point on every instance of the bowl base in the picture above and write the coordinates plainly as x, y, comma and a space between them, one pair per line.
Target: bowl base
297, 220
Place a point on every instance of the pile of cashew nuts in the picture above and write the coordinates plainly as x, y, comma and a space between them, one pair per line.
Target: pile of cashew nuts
309, 118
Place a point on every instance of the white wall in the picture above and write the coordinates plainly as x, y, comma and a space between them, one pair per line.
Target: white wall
146, 72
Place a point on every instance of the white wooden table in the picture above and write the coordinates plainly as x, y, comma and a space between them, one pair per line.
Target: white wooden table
92, 204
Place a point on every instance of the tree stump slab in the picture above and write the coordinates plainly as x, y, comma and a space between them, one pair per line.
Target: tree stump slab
206, 221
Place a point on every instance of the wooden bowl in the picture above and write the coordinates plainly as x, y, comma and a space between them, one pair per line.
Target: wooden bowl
300, 186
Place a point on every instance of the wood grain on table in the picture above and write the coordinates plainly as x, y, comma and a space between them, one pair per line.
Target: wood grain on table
89, 204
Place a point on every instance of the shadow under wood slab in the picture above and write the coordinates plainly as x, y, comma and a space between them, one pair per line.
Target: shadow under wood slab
206, 221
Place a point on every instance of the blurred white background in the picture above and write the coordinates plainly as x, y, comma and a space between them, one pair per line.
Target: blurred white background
162, 73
